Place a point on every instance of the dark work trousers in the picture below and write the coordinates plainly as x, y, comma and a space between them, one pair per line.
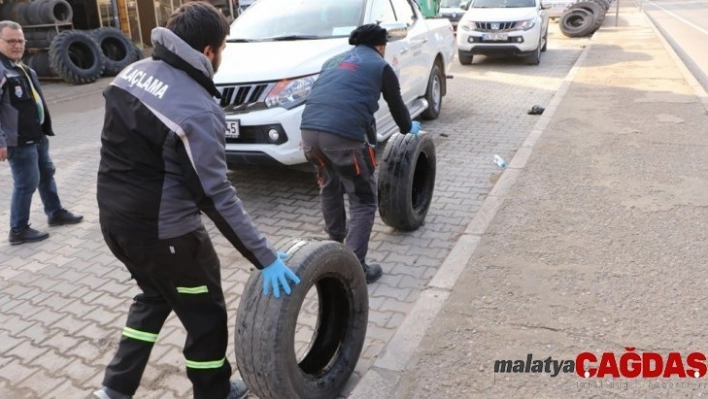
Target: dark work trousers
181, 274
347, 164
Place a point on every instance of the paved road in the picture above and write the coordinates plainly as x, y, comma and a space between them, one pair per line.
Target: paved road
63, 301
684, 23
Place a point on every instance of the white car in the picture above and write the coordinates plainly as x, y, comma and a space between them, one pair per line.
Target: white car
452, 10
274, 54
557, 7
508, 27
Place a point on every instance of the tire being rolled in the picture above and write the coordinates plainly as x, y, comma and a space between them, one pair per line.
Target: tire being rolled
406, 180
76, 57
265, 326
117, 49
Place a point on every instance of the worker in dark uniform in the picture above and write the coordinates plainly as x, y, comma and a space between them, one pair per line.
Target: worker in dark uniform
163, 163
338, 137
25, 127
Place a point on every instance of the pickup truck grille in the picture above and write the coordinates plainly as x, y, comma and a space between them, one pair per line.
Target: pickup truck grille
495, 26
243, 95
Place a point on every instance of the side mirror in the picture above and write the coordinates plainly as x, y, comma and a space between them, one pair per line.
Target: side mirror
464, 5
396, 30
546, 6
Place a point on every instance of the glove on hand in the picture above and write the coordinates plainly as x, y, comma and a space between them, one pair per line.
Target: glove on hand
415, 127
275, 275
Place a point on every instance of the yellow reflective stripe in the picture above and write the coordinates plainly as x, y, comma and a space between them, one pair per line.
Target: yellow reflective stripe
214, 364
139, 335
202, 289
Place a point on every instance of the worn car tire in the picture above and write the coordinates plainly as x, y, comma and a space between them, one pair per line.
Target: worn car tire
49, 12
265, 326
576, 22
545, 41
39, 39
117, 49
406, 180
434, 93
535, 57
465, 59
598, 12
75, 56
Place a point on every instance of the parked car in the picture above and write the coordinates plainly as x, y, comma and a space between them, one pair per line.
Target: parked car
557, 7
453, 10
274, 54
512, 27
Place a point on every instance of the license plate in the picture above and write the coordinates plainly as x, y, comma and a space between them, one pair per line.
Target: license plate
495, 37
232, 129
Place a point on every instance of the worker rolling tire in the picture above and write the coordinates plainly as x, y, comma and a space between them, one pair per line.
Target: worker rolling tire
406, 180
76, 57
265, 326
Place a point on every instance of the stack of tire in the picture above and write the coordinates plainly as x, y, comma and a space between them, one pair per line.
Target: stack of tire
37, 12
582, 18
81, 57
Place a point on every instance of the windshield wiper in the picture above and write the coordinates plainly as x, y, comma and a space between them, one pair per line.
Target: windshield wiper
293, 37
239, 40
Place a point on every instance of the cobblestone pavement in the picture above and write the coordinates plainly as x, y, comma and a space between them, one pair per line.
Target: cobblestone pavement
63, 301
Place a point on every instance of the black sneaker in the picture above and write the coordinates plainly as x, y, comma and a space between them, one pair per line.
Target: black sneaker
373, 272
64, 217
238, 390
27, 235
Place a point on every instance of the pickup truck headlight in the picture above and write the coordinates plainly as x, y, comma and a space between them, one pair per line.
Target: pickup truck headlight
468, 25
525, 25
291, 92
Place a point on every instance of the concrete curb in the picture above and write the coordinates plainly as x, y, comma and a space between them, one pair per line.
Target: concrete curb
382, 378
680, 63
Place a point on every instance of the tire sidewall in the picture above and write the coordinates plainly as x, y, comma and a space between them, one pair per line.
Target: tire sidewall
314, 260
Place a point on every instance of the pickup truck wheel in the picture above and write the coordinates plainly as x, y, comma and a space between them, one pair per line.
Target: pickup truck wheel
433, 95
406, 180
535, 58
465, 59
265, 326
545, 42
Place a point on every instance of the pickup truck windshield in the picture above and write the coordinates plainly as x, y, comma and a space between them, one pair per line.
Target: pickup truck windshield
503, 4
268, 20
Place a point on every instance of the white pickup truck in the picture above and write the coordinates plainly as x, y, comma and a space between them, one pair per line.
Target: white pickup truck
275, 51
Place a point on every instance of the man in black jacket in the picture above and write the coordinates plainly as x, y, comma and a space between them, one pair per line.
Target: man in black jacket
336, 122
24, 127
163, 162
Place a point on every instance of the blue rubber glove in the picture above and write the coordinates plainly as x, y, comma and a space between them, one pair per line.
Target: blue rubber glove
415, 127
274, 275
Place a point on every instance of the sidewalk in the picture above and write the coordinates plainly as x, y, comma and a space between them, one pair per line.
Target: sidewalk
593, 242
